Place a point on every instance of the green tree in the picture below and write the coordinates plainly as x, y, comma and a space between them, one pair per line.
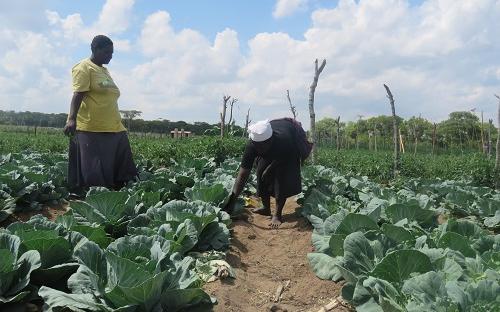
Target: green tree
326, 129
129, 115
460, 128
418, 130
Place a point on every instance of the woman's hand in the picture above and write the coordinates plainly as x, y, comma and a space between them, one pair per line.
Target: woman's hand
229, 207
70, 127
76, 102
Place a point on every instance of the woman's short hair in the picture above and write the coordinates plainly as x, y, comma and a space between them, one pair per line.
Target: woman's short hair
99, 42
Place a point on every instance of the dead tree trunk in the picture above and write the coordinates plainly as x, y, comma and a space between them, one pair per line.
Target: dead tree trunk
231, 122
433, 138
497, 161
312, 115
292, 108
375, 138
416, 145
416, 141
490, 147
395, 132
482, 136
370, 135
338, 134
247, 122
358, 132
225, 99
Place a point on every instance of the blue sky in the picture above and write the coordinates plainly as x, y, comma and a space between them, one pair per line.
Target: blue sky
176, 59
208, 17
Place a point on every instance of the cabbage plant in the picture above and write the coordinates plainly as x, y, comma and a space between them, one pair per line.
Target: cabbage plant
15, 269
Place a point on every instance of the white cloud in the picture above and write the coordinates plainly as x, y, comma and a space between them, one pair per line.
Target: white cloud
285, 8
185, 74
71, 27
432, 56
114, 19
31, 50
115, 16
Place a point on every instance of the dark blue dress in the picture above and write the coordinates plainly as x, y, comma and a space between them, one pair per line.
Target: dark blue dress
283, 160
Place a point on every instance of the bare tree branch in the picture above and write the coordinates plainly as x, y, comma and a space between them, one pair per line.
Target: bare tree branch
312, 115
490, 144
231, 105
225, 99
395, 132
292, 108
338, 134
247, 122
497, 161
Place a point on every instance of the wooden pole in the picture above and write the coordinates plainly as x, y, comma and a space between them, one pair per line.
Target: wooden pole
231, 121
401, 141
225, 98
312, 115
416, 139
247, 122
433, 138
497, 161
338, 134
482, 137
292, 108
395, 131
490, 147
358, 131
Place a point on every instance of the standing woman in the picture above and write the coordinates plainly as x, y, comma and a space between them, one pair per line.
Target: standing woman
99, 151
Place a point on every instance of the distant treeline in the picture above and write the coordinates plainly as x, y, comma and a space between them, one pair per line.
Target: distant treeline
35, 119
462, 130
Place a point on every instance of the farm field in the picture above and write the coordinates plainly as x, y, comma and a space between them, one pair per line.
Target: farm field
250, 156
378, 244
471, 166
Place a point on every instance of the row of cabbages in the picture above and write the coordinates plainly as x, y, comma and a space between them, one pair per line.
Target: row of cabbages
149, 247
29, 180
416, 246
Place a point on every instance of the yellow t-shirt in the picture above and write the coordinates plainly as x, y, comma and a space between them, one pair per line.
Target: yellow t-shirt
99, 109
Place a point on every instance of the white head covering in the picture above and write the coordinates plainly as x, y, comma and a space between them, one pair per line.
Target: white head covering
260, 131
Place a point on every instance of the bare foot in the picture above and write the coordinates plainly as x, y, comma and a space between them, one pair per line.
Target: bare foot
275, 222
262, 211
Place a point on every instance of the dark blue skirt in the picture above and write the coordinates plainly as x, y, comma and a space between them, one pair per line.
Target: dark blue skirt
280, 179
100, 159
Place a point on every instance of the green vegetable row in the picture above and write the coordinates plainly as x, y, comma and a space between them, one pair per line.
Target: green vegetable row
405, 247
148, 247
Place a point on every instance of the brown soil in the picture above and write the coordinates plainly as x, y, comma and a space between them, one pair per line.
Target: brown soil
50, 212
263, 258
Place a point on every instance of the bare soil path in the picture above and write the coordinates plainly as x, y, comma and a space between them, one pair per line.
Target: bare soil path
264, 258
50, 212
